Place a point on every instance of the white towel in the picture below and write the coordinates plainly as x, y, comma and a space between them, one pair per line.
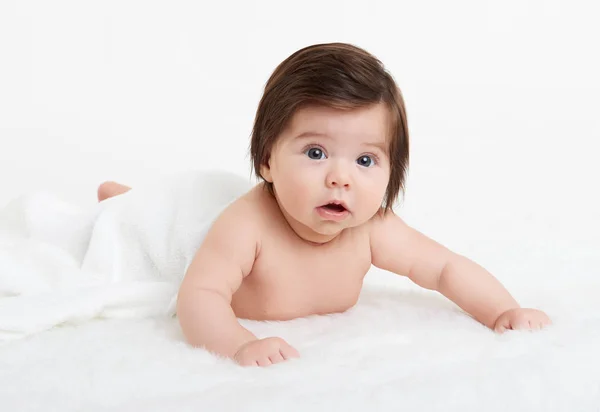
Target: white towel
60, 263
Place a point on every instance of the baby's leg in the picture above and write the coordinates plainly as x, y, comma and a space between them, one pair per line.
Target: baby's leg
110, 189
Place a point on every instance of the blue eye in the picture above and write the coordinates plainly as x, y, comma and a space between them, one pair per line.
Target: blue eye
315, 153
365, 161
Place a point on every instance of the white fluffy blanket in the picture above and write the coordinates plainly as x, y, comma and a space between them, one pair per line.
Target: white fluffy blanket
123, 257
400, 348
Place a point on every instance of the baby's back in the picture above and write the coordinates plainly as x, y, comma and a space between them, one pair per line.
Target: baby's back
292, 278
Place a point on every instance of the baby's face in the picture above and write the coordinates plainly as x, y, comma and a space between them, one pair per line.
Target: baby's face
330, 169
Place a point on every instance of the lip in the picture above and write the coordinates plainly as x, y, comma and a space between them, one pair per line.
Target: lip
333, 215
338, 202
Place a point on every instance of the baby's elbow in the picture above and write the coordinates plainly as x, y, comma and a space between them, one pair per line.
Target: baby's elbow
425, 279
429, 275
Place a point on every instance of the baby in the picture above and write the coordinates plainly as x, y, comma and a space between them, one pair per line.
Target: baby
330, 146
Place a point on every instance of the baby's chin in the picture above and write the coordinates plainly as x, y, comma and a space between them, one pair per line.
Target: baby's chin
330, 228
317, 230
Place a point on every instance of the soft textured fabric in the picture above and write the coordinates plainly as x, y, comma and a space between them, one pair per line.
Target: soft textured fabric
400, 349
123, 257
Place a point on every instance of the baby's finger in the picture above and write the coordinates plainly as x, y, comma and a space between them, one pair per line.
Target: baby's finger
263, 362
502, 325
276, 357
521, 323
288, 352
545, 322
247, 362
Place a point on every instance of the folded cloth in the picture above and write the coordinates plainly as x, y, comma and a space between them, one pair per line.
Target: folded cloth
123, 257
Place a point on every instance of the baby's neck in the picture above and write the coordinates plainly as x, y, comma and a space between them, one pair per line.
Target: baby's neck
307, 234
304, 232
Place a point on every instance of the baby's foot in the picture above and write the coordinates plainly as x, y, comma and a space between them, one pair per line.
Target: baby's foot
109, 189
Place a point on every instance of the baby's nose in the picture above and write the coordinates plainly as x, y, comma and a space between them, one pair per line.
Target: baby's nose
338, 177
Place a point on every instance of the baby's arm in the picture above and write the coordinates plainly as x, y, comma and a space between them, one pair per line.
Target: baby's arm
398, 248
204, 303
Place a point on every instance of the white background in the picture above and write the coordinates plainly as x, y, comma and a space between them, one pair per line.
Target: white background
502, 101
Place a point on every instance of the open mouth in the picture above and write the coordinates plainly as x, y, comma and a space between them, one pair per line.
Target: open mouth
334, 207
333, 211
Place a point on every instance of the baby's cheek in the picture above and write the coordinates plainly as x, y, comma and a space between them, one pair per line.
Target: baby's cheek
305, 181
376, 191
298, 191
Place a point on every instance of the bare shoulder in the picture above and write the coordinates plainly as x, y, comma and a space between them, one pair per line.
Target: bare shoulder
241, 213
238, 223
232, 242
382, 221
243, 221
254, 211
385, 227
392, 241
399, 248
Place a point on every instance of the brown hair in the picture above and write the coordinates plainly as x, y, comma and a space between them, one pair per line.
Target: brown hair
337, 75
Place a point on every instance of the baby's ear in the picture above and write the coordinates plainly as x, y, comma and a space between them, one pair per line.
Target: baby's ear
265, 171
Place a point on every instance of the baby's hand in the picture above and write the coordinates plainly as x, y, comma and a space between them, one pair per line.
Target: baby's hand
264, 352
520, 318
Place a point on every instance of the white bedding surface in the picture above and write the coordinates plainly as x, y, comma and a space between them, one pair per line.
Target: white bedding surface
400, 348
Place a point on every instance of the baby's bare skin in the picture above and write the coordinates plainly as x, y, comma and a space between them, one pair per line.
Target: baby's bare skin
287, 254
292, 278
282, 276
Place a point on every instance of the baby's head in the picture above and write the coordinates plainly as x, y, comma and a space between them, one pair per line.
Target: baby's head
331, 126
